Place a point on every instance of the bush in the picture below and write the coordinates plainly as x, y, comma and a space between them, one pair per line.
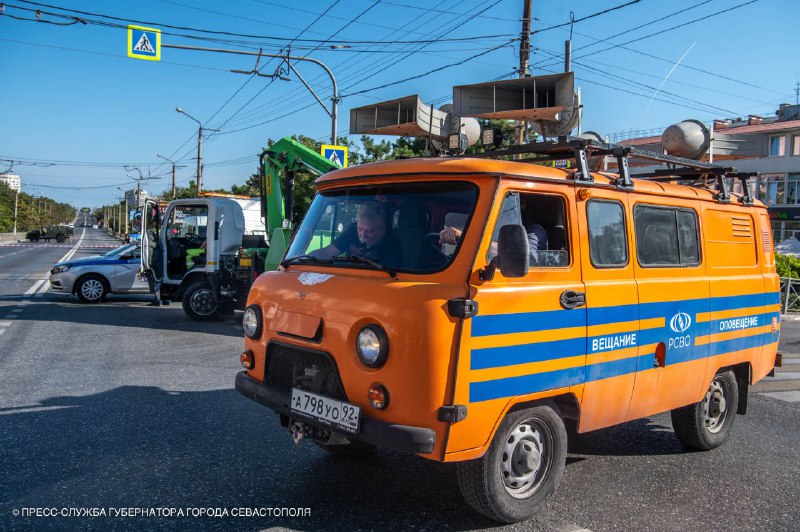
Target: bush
787, 266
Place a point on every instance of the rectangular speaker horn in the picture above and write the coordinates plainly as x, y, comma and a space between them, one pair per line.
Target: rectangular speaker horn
532, 99
408, 116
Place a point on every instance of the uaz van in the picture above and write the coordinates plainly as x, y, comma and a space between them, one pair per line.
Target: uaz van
504, 298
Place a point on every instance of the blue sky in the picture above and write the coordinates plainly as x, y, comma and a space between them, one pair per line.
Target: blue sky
71, 96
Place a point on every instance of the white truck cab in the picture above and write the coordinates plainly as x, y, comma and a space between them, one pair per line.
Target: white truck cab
195, 251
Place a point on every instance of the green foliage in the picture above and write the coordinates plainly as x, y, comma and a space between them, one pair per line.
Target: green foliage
32, 212
787, 266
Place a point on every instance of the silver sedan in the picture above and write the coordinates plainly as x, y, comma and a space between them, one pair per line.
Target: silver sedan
93, 278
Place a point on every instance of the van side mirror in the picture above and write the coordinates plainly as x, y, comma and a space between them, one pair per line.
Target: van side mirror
513, 251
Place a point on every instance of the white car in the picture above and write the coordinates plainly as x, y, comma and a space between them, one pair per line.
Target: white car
93, 278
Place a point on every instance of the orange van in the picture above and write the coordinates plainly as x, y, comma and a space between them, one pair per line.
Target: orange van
463, 309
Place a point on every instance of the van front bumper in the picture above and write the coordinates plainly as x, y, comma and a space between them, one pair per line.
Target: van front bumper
402, 438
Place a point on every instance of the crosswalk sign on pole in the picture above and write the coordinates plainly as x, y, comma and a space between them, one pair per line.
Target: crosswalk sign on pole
144, 43
335, 154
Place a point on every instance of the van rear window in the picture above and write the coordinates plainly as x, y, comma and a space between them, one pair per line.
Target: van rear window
666, 236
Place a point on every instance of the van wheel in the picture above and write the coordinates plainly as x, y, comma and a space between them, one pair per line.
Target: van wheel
60, 239
348, 450
199, 302
91, 289
522, 467
707, 424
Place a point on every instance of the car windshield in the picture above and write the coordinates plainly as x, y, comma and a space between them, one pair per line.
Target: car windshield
388, 227
120, 250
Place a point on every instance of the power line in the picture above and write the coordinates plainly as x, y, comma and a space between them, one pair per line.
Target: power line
593, 15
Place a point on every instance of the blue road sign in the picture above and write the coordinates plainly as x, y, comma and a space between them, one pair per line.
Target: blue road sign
144, 43
336, 154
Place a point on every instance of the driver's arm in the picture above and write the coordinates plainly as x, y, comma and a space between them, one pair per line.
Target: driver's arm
328, 252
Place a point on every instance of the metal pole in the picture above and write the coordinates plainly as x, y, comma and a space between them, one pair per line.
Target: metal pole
524, 56
334, 99
16, 200
125, 213
173, 180
199, 160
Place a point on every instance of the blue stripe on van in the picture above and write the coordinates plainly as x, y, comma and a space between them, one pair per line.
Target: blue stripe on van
493, 357
539, 382
487, 325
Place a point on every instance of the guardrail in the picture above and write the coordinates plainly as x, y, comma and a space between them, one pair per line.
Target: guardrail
790, 295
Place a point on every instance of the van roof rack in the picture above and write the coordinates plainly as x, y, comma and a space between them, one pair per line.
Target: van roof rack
581, 149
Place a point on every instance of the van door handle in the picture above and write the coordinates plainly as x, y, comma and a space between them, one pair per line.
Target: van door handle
572, 299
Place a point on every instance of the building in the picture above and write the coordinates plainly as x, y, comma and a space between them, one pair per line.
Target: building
767, 145
11, 180
136, 197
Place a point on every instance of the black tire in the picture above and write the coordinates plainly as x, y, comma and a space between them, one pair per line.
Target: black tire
200, 302
60, 239
522, 467
354, 449
707, 424
91, 289
34, 238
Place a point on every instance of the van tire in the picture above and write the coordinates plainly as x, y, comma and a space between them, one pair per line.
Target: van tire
92, 289
353, 449
707, 424
200, 303
536, 439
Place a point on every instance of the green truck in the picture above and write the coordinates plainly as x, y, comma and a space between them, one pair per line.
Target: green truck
59, 233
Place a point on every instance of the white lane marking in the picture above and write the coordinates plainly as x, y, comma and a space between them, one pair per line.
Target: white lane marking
784, 376
789, 397
5, 324
2, 331
16, 310
10, 317
35, 287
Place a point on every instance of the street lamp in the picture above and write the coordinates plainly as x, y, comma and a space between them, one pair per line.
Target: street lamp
199, 148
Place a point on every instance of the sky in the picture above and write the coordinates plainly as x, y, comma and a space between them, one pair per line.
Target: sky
81, 119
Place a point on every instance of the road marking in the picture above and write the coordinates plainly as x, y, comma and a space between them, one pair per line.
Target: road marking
10, 317
5, 324
16, 310
2, 331
790, 396
784, 376
35, 287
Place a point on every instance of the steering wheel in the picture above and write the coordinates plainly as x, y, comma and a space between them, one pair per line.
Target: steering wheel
432, 240
193, 239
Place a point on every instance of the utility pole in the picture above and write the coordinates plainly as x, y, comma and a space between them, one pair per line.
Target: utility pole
174, 166
16, 200
524, 57
200, 129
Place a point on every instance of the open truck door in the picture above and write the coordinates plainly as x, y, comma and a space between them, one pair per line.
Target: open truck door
152, 247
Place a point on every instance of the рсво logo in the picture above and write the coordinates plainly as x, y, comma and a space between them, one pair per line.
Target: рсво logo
680, 322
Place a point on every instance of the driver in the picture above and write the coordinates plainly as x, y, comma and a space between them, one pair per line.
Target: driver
366, 238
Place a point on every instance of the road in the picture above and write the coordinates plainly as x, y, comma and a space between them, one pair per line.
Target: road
126, 407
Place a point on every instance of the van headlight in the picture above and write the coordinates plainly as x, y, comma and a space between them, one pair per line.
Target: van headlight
60, 269
372, 346
252, 322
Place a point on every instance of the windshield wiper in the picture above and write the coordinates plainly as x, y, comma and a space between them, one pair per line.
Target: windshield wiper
305, 258
375, 264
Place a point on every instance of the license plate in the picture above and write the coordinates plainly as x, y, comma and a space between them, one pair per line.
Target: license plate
330, 412
245, 262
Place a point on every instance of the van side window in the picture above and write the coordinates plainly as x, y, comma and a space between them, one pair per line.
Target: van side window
666, 236
544, 219
608, 245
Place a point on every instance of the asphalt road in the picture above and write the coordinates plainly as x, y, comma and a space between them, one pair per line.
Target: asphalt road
127, 408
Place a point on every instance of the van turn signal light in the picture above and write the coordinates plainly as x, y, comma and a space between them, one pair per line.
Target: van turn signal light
247, 359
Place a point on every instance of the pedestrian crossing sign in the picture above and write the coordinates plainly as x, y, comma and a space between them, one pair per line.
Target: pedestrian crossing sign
144, 43
335, 154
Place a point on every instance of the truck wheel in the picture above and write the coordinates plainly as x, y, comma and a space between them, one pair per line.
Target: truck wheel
34, 238
91, 289
707, 424
60, 239
522, 467
199, 302
348, 450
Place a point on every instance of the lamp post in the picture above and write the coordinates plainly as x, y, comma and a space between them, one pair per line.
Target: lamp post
125, 212
200, 129
16, 200
173, 171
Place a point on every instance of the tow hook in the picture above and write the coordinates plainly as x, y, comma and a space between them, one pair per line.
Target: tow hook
298, 430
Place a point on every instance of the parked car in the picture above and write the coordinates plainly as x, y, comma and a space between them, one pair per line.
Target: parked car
93, 278
60, 233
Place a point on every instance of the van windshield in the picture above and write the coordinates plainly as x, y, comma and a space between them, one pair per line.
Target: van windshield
392, 227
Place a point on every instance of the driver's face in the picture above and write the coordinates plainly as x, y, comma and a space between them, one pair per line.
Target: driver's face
370, 232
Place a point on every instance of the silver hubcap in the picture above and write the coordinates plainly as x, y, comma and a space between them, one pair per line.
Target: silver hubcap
92, 289
202, 302
715, 407
525, 459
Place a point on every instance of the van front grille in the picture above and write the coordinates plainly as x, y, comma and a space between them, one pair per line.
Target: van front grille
294, 367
